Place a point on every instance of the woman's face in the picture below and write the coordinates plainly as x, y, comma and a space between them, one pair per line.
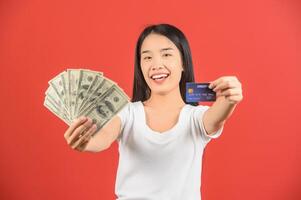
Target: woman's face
161, 63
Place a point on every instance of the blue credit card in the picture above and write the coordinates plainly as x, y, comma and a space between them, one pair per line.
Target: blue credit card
196, 92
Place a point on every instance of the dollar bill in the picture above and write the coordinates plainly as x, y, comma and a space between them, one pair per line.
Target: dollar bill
65, 81
98, 79
73, 75
107, 106
99, 90
86, 79
59, 85
48, 103
77, 92
54, 98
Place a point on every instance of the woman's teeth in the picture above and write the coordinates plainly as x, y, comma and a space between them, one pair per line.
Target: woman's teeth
159, 76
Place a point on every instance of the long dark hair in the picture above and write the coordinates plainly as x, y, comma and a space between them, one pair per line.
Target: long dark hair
141, 91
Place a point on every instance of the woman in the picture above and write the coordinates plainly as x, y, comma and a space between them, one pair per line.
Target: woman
161, 137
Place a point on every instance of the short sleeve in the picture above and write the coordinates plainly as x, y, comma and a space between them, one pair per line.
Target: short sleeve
123, 114
198, 115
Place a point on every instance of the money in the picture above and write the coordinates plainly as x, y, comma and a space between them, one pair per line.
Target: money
110, 103
99, 91
86, 79
59, 86
83, 92
73, 76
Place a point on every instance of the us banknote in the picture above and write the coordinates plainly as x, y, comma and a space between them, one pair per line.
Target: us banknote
83, 92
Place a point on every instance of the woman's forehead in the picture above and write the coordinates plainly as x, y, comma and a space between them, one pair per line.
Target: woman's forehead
157, 42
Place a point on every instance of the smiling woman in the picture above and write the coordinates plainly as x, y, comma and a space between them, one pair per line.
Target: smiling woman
161, 61
161, 137
161, 48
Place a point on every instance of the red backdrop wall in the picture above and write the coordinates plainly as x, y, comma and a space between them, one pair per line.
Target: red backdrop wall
258, 155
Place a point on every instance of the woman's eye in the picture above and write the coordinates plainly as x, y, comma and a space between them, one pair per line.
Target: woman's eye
166, 54
147, 58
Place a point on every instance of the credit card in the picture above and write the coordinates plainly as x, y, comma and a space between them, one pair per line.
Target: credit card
196, 92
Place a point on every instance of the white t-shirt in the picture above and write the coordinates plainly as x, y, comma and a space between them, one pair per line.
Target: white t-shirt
161, 166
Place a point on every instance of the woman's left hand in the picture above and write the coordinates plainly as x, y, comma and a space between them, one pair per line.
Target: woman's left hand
228, 87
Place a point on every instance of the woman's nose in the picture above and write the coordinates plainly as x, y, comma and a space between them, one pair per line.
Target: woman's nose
157, 64
156, 67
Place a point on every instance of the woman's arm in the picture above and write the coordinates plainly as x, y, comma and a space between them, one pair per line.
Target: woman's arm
103, 139
229, 93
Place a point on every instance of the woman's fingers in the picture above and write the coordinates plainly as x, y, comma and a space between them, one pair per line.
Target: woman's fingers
225, 85
225, 82
82, 141
229, 92
74, 125
78, 131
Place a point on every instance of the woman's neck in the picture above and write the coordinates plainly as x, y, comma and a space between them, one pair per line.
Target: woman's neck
171, 100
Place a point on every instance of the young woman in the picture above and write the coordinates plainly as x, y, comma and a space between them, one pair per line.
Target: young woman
161, 137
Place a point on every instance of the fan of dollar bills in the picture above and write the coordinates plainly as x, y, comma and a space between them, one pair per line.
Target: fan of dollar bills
82, 92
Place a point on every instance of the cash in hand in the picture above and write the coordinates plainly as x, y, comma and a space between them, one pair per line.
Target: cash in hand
82, 92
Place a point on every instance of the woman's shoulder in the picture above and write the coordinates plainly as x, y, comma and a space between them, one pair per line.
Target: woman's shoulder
131, 107
128, 112
134, 105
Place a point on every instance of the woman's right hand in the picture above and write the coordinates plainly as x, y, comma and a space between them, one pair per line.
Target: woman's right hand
79, 133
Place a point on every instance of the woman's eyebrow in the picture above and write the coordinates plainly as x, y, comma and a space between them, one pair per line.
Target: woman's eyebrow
164, 49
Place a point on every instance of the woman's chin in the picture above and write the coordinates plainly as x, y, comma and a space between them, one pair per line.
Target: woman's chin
161, 91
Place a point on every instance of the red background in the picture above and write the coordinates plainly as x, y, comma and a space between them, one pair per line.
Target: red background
258, 155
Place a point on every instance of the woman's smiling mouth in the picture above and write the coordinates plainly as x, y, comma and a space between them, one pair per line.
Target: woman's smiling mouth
159, 77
